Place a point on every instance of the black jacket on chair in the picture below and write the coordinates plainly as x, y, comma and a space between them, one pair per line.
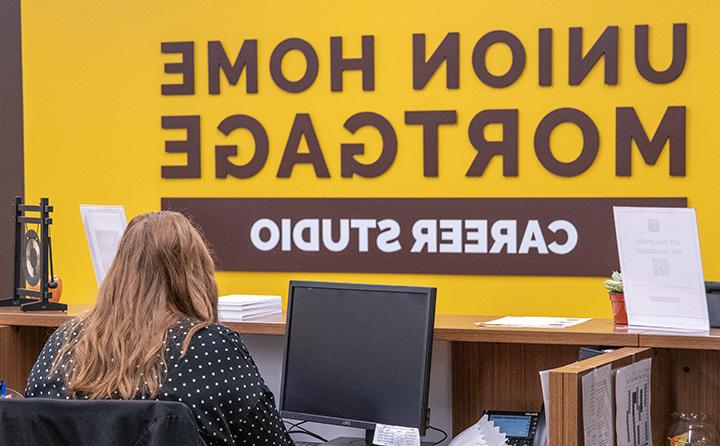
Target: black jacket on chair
38, 421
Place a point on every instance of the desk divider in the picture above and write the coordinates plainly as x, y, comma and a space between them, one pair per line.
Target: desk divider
566, 423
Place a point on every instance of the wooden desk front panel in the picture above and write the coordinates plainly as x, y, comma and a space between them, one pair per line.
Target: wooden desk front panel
500, 376
685, 380
19, 349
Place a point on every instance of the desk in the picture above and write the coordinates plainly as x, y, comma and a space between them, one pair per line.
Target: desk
456, 328
492, 367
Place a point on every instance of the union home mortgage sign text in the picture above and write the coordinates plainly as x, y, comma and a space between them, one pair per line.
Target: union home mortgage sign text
483, 236
426, 63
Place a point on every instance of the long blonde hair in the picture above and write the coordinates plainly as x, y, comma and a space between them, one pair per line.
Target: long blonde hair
162, 273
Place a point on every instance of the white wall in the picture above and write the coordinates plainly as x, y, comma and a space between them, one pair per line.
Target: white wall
267, 351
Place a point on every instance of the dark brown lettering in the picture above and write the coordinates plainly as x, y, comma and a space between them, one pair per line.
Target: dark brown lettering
430, 121
190, 146
479, 62
447, 52
246, 60
545, 57
366, 63
349, 165
591, 142
303, 128
311, 69
679, 55
507, 148
605, 47
671, 129
223, 166
186, 68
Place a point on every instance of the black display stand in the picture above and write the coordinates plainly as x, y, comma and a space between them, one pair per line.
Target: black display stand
27, 299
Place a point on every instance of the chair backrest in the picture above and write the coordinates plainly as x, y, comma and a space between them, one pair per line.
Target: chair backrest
39, 421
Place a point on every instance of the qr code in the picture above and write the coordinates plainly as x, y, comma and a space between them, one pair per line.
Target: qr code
653, 225
661, 267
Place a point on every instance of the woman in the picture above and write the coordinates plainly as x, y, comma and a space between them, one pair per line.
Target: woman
153, 334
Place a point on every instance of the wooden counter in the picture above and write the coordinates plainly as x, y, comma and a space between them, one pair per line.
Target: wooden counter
594, 332
457, 328
685, 340
13, 316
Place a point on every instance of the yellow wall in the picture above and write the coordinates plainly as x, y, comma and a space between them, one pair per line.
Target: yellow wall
92, 76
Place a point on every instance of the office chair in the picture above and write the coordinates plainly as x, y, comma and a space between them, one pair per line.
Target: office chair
712, 291
39, 421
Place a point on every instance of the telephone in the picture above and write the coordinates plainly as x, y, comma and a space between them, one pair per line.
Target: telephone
521, 428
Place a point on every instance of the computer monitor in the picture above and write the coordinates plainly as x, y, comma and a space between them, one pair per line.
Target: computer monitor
358, 355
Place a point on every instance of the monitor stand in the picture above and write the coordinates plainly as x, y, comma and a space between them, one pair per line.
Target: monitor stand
367, 441
351, 441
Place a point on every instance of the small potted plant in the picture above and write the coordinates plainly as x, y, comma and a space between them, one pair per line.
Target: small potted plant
617, 298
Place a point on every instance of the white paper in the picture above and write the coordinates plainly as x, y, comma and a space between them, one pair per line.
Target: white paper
244, 299
534, 322
244, 307
468, 437
633, 404
386, 435
104, 227
545, 385
228, 315
491, 434
661, 266
597, 407
482, 433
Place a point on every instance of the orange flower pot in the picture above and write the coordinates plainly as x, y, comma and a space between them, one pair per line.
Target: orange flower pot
617, 300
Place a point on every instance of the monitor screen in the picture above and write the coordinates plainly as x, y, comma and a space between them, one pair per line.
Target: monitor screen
358, 355
513, 425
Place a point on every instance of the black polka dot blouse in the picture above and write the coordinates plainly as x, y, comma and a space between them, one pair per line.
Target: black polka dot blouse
216, 378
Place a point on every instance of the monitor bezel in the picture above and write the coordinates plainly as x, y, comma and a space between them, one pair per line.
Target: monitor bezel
431, 294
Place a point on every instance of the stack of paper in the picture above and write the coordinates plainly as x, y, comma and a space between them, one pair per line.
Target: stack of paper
241, 307
482, 433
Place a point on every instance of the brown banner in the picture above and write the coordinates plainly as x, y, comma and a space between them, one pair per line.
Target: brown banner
11, 136
486, 236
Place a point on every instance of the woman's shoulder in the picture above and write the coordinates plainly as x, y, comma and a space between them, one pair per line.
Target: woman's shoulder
185, 325
207, 337
212, 348
67, 329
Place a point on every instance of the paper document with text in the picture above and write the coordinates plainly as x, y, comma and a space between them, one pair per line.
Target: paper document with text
597, 406
104, 227
633, 404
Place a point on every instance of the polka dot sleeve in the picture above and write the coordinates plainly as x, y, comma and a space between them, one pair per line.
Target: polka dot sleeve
221, 384
264, 426
40, 382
